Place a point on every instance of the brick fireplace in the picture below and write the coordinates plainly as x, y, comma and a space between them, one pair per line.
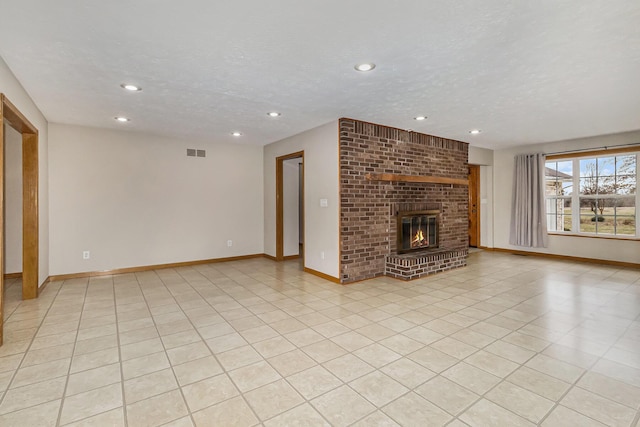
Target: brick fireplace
381, 169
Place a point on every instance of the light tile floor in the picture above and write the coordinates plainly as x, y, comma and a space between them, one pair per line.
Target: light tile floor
506, 341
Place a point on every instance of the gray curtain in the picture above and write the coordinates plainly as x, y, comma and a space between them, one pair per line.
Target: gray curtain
528, 221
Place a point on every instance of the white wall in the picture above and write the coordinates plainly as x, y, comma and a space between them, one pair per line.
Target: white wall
290, 198
135, 200
480, 156
12, 200
321, 181
614, 250
12, 89
486, 206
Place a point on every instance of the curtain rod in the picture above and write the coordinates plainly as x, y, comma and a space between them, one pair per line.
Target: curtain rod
594, 148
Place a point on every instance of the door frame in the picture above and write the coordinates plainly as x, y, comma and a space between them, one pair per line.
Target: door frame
474, 189
280, 203
12, 116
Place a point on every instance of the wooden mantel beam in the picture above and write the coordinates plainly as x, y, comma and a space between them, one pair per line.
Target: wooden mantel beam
389, 177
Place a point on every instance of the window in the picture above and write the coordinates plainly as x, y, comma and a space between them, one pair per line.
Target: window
593, 195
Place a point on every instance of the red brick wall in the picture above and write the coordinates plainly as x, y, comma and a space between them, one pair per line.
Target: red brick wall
367, 208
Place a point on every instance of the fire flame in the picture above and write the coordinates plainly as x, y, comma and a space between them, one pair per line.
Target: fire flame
419, 239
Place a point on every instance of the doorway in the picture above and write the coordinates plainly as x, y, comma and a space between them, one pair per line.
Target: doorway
474, 206
12, 117
290, 206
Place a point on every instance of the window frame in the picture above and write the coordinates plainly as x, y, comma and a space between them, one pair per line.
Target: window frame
576, 196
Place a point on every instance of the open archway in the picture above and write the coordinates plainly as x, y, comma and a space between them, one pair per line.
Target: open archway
280, 202
11, 116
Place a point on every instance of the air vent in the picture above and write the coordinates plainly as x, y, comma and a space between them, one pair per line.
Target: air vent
202, 153
191, 152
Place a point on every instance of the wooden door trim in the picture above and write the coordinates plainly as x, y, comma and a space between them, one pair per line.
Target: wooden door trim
30, 228
15, 118
280, 203
301, 213
474, 189
1, 218
11, 115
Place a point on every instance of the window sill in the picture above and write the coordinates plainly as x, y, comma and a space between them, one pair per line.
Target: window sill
593, 236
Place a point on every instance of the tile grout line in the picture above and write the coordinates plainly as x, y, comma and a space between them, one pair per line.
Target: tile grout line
522, 364
66, 383
120, 360
213, 354
146, 302
502, 380
347, 384
24, 355
263, 358
290, 291
536, 353
316, 364
203, 340
600, 358
558, 401
448, 335
636, 419
110, 277
8, 288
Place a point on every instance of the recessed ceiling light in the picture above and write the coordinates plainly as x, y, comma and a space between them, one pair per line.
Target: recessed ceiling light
122, 119
132, 88
236, 133
273, 114
475, 131
420, 118
365, 67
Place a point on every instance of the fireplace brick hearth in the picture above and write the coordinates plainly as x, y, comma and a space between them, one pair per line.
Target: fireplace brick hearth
419, 264
369, 208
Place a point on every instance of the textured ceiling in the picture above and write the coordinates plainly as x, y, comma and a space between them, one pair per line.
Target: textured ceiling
522, 71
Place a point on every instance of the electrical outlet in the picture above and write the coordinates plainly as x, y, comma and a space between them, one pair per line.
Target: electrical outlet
229, 243
322, 255
86, 255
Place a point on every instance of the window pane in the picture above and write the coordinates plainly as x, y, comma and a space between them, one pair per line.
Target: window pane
551, 187
589, 185
551, 223
626, 174
626, 224
552, 207
591, 214
558, 214
588, 177
607, 185
626, 165
564, 216
606, 224
625, 216
568, 222
588, 204
565, 177
558, 179
566, 167
588, 167
606, 166
626, 184
587, 223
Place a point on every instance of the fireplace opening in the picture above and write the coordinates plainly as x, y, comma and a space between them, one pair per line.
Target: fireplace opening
417, 230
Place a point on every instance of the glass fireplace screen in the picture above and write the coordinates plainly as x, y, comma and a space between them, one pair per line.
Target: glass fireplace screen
417, 232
